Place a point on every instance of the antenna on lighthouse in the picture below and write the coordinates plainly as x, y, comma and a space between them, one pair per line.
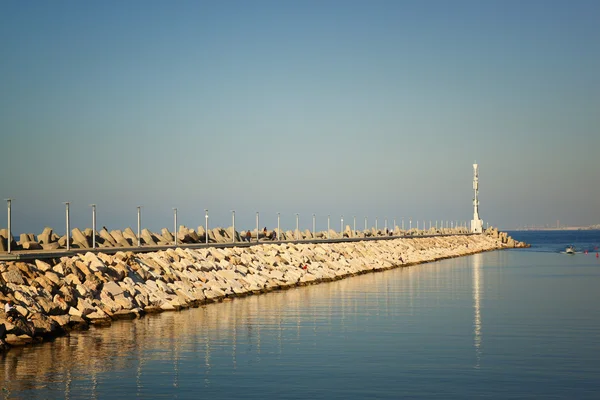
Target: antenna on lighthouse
476, 222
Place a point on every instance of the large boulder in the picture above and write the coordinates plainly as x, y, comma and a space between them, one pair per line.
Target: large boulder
80, 239
167, 236
13, 276
46, 236
147, 238
31, 246
109, 240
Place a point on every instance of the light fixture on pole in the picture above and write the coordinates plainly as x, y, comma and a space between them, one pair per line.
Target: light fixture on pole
9, 239
342, 226
314, 225
385, 225
257, 227
232, 226
93, 225
376, 225
139, 216
206, 225
365, 223
175, 227
410, 223
68, 225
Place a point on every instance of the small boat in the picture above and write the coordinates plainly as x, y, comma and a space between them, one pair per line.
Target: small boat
570, 250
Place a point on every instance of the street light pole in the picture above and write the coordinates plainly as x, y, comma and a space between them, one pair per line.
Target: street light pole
314, 225
232, 226
342, 226
365, 223
257, 227
93, 225
175, 226
206, 225
68, 225
376, 225
8, 240
410, 223
139, 215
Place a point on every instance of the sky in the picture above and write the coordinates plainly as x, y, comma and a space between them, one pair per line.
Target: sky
341, 108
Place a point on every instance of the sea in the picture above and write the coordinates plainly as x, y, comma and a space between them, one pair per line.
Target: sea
507, 324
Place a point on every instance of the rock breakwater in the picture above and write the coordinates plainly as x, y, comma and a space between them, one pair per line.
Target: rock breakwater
75, 292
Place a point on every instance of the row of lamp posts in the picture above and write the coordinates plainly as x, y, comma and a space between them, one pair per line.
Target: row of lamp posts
451, 224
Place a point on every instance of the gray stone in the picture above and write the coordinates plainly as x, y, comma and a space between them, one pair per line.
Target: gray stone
120, 239
46, 236
112, 288
80, 238
130, 235
31, 246
108, 239
42, 266
166, 235
13, 276
147, 237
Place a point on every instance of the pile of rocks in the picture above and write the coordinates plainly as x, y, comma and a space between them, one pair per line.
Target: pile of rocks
74, 292
49, 240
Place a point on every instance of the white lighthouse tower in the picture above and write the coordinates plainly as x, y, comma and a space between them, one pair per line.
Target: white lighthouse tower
476, 222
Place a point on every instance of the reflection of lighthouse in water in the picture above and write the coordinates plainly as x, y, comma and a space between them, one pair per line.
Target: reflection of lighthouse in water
477, 290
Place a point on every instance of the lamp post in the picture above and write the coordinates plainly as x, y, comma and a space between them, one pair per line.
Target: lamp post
376, 225
8, 240
296, 233
342, 226
278, 229
328, 216
139, 215
206, 225
410, 223
68, 225
175, 227
257, 227
385, 225
314, 225
232, 226
365, 223
417, 224
93, 225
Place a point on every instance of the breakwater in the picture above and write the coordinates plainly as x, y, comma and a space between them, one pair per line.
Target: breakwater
52, 297
49, 240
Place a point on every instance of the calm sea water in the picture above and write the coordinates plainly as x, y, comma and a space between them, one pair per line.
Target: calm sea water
505, 324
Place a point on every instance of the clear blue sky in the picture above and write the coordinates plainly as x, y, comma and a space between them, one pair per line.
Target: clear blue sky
373, 108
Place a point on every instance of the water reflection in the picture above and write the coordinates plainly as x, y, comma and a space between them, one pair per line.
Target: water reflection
477, 292
204, 344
